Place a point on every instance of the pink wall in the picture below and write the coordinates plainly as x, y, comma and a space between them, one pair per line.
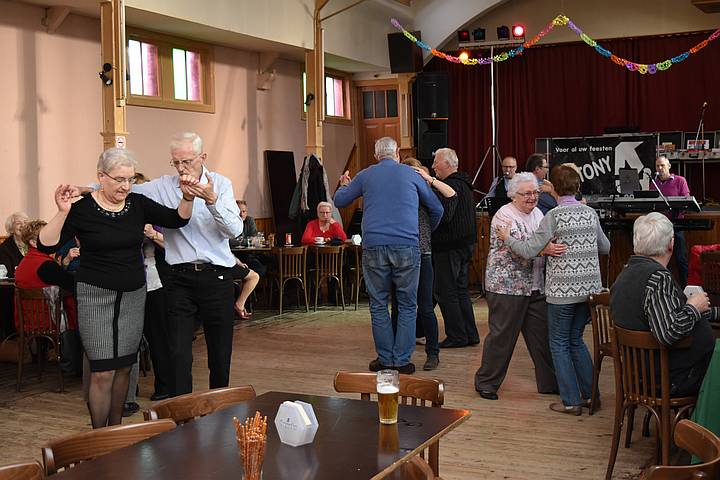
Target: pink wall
51, 116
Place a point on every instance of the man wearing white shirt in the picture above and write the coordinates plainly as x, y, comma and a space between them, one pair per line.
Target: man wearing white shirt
200, 285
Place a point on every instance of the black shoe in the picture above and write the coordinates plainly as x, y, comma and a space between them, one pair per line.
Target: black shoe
488, 394
130, 408
408, 369
474, 342
431, 363
376, 366
156, 397
447, 343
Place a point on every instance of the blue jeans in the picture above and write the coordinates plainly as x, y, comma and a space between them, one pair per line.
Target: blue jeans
573, 365
385, 266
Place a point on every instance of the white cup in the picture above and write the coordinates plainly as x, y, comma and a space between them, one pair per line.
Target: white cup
3, 271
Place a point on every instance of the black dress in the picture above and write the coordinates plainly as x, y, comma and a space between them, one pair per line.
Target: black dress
111, 277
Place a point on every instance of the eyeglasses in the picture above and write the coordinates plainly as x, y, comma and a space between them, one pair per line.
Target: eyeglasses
530, 194
509, 167
121, 180
184, 163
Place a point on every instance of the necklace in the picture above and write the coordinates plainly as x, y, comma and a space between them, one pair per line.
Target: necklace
106, 205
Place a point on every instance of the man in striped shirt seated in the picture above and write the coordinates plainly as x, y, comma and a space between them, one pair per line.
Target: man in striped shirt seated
645, 297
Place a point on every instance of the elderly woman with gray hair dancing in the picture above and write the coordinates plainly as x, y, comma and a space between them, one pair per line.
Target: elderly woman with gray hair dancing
111, 277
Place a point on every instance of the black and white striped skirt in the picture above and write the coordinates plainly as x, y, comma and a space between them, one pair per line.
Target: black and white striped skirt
111, 325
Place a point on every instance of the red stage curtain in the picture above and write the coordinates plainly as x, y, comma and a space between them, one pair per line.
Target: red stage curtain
570, 90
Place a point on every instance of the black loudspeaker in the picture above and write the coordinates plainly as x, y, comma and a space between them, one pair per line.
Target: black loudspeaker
432, 95
281, 175
431, 135
405, 56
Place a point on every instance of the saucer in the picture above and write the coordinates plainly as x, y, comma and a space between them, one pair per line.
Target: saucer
320, 243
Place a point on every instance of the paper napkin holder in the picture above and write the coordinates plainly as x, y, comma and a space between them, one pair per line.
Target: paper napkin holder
296, 423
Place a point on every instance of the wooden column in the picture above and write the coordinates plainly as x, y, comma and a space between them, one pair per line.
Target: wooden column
405, 141
112, 51
315, 71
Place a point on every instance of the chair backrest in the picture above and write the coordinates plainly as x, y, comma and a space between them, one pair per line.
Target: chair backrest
69, 451
37, 314
291, 261
329, 260
640, 356
700, 442
413, 390
601, 320
22, 471
187, 407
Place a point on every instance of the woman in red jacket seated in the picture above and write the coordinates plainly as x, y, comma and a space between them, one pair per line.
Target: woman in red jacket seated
324, 226
39, 270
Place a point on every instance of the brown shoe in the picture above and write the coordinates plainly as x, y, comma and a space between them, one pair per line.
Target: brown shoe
569, 409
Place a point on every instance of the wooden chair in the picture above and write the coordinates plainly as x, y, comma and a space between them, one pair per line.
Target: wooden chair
23, 471
413, 391
38, 317
329, 264
355, 271
601, 325
636, 385
292, 263
183, 408
699, 441
69, 451
417, 469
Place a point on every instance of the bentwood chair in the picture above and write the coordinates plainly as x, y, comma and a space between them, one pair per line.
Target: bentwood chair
601, 324
413, 391
69, 451
699, 441
291, 264
329, 265
183, 408
354, 254
638, 383
22, 471
38, 315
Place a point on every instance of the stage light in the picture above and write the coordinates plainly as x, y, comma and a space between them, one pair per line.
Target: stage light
503, 32
463, 36
518, 31
479, 34
464, 55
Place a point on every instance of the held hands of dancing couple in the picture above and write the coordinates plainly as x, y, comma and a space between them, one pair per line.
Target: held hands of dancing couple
552, 249
191, 187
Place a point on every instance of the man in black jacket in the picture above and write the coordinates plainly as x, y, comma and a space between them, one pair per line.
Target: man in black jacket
452, 248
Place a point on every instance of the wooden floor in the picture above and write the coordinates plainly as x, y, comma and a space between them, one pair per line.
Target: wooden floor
517, 437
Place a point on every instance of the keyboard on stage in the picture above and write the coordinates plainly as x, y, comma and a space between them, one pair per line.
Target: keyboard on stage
644, 205
679, 224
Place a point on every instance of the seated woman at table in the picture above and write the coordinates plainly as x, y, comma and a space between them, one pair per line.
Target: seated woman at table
13, 248
324, 226
40, 270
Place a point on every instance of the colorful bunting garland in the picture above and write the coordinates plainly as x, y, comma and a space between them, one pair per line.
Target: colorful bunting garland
562, 20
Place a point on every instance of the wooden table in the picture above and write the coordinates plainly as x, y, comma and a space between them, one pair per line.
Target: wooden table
350, 444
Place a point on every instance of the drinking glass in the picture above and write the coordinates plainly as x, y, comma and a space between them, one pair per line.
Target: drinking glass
388, 388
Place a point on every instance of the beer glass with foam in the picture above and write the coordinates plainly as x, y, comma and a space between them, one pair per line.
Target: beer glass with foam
388, 387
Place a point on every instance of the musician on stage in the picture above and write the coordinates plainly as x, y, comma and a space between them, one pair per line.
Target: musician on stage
499, 186
672, 185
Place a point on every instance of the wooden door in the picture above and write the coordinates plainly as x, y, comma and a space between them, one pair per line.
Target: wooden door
379, 118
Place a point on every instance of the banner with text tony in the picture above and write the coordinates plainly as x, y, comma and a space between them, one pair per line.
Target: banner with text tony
601, 158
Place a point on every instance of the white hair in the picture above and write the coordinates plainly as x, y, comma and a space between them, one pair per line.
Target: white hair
517, 179
116, 157
324, 204
180, 139
14, 218
652, 234
449, 155
386, 147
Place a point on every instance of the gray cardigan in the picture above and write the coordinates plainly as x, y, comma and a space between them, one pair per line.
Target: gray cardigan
571, 277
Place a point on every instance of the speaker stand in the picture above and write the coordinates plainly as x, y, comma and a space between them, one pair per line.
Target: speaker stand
492, 149
495, 155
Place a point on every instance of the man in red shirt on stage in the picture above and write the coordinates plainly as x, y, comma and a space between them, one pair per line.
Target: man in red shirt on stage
673, 186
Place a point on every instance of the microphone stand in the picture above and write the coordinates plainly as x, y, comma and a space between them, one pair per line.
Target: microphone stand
652, 179
700, 128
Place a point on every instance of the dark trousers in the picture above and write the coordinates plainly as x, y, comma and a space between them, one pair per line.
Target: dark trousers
451, 289
508, 315
680, 255
157, 332
208, 297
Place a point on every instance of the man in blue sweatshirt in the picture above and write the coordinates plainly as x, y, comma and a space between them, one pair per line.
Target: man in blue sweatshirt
392, 194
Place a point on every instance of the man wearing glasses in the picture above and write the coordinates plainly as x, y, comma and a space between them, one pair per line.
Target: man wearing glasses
499, 187
199, 285
537, 164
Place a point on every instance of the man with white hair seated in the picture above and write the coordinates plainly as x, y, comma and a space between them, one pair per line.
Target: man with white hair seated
392, 194
646, 298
